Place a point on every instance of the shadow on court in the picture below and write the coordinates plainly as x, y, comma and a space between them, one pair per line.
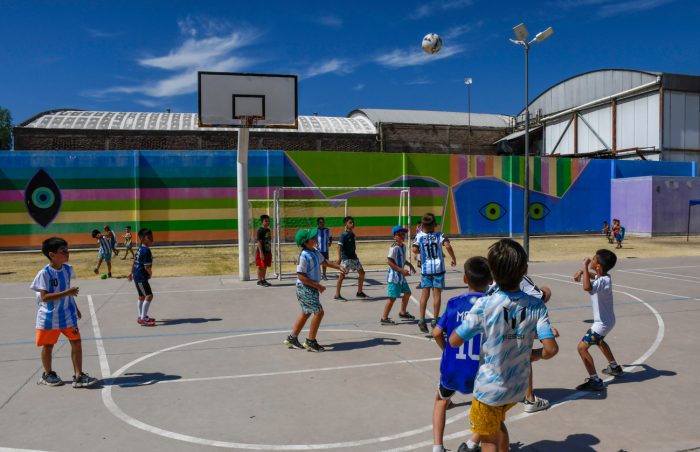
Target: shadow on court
555, 395
579, 442
167, 322
129, 380
366, 343
649, 373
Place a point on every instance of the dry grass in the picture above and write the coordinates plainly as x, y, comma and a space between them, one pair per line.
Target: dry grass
223, 260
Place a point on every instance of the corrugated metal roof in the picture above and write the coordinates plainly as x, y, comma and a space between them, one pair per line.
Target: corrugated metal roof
432, 117
107, 120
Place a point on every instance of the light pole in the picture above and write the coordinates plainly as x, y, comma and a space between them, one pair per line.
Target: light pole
521, 38
468, 82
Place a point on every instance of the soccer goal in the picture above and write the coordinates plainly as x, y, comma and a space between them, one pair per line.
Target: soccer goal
376, 210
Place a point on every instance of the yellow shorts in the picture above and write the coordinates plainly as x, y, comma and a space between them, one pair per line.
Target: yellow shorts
486, 419
50, 337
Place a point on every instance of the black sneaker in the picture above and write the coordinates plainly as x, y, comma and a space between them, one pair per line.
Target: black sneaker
433, 323
313, 346
591, 385
361, 295
260, 283
387, 321
465, 448
615, 371
422, 326
406, 316
340, 298
265, 283
293, 342
83, 380
50, 379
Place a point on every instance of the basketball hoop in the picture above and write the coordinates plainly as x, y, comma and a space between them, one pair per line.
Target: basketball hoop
249, 121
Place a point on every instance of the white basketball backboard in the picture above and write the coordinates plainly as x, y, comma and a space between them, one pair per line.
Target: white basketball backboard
226, 99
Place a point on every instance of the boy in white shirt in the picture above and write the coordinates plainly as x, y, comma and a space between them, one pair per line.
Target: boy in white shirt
598, 283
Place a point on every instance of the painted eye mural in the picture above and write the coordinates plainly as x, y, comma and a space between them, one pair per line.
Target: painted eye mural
42, 198
538, 211
492, 211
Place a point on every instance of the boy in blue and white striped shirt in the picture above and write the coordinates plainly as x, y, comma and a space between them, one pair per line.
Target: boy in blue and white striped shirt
58, 313
429, 244
324, 237
104, 253
396, 276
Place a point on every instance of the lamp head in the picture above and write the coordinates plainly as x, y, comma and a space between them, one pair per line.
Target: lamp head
541, 36
521, 33
468, 81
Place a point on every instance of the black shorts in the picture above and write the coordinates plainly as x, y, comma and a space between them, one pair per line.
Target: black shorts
444, 393
143, 288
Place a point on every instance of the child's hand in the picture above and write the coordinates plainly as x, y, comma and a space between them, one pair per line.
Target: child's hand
453, 262
405, 272
555, 332
77, 311
586, 262
321, 288
73, 291
577, 276
131, 277
413, 269
344, 270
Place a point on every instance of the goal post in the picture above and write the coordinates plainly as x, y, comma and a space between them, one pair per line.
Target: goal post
375, 208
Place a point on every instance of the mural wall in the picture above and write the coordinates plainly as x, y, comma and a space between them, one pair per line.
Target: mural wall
190, 196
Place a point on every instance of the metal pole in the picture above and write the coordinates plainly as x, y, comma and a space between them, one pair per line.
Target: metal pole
469, 109
687, 235
242, 191
526, 200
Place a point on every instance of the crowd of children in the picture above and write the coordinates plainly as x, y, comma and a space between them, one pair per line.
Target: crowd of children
486, 334
615, 233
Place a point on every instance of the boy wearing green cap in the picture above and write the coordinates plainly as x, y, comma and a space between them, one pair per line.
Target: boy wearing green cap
308, 290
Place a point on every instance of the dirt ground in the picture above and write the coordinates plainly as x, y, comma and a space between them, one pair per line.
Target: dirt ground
223, 260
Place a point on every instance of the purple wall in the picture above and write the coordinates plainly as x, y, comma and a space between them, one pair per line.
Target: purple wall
656, 205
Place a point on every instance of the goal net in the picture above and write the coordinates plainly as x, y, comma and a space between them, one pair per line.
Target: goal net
375, 209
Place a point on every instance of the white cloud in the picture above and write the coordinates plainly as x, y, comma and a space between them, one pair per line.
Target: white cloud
198, 52
334, 65
95, 33
627, 7
438, 6
398, 58
331, 20
420, 81
459, 30
359, 87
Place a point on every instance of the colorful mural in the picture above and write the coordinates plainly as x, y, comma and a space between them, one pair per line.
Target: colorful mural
190, 196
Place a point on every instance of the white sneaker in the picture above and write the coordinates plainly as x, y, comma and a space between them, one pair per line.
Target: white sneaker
538, 404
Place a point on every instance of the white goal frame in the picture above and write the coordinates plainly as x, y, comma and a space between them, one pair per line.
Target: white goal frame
404, 204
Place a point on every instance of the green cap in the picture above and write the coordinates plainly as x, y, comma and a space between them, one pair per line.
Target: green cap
305, 234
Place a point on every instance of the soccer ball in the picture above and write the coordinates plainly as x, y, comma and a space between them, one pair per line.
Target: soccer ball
432, 43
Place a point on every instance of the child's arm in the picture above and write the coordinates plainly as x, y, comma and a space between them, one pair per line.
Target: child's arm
586, 275
307, 282
548, 350
332, 264
451, 252
439, 338
340, 251
396, 268
411, 267
49, 297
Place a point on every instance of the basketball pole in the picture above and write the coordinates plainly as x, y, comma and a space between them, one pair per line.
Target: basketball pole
242, 192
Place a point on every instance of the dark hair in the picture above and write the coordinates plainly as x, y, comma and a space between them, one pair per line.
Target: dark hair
428, 222
348, 218
605, 222
508, 262
606, 258
320, 219
95, 233
264, 217
143, 232
477, 271
51, 245
128, 227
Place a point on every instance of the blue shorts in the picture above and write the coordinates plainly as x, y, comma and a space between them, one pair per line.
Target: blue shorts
308, 299
434, 281
107, 257
592, 338
394, 290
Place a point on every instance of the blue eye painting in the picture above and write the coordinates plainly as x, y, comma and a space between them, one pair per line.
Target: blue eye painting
42, 197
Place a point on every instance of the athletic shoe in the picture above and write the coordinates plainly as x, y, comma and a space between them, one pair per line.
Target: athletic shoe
433, 323
83, 380
324, 277
464, 448
406, 316
422, 326
109, 275
387, 321
361, 295
615, 371
538, 404
148, 321
313, 346
50, 379
265, 283
591, 385
293, 342
340, 298
259, 283
96, 270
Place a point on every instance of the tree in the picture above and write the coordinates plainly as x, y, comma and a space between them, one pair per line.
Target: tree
5, 129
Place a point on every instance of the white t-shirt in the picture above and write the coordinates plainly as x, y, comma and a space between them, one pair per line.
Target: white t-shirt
602, 302
527, 285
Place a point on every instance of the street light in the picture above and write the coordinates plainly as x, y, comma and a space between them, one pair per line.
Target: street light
521, 38
468, 82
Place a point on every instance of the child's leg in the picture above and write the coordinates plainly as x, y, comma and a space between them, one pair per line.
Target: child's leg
46, 351
605, 348
263, 272
586, 357
503, 439
387, 307
260, 274
437, 301
299, 323
529, 392
341, 277
323, 268
498, 442
360, 279
98, 265
404, 303
76, 355
146, 305
439, 410
139, 305
425, 294
109, 268
315, 323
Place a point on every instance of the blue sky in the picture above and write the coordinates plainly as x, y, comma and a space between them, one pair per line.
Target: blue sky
143, 56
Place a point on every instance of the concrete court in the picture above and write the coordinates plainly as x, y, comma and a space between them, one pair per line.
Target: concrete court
215, 373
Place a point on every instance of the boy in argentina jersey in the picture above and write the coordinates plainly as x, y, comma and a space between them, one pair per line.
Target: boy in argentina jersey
429, 244
396, 277
58, 313
458, 366
508, 321
325, 238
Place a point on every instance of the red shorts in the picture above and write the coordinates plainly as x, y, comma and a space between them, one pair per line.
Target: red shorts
50, 337
265, 261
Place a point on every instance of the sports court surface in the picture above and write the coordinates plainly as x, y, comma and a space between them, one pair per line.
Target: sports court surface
214, 373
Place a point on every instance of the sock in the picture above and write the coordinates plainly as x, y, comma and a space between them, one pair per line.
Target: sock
471, 444
595, 377
437, 448
140, 305
144, 309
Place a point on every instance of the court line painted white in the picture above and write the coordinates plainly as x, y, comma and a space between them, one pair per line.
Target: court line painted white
671, 274
615, 285
657, 275
104, 364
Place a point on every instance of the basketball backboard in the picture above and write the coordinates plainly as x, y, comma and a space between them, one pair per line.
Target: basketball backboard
226, 99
